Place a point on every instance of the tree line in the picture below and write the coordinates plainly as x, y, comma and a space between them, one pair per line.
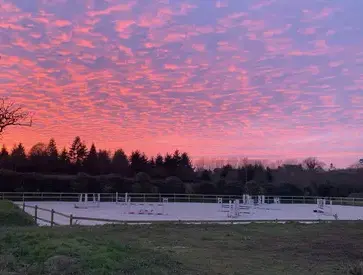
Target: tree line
47, 159
80, 169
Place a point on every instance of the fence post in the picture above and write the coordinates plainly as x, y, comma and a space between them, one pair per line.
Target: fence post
23, 197
51, 217
23, 206
36, 213
71, 220
144, 197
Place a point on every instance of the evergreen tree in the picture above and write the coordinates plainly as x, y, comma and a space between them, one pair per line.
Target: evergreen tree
64, 162
138, 162
171, 163
91, 161
4, 158
159, 161
18, 158
52, 150
159, 170
152, 162
104, 162
53, 156
78, 152
185, 170
120, 163
176, 158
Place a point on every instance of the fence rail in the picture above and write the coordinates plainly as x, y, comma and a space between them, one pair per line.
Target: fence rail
74, 219
157, 197
36, 216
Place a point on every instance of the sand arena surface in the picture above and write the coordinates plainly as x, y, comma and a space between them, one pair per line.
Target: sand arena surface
189, 212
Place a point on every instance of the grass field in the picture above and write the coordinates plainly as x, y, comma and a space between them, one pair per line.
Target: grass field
11, 215
181, 249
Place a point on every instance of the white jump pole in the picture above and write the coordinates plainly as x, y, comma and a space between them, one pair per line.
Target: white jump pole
236, 208
220, 203
165, 202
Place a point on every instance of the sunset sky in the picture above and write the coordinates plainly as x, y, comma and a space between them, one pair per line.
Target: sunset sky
266, 79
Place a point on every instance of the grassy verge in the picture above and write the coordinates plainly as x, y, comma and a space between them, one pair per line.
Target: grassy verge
11, 215
183, 249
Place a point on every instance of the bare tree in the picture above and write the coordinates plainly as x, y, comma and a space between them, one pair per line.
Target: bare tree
11, 115
313, 164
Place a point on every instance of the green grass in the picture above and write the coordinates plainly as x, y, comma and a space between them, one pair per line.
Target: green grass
11, 215
183, 249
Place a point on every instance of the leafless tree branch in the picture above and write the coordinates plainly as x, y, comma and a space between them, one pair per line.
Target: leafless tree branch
11, 115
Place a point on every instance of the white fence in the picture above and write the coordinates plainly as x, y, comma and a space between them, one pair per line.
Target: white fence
74, 220
157, 197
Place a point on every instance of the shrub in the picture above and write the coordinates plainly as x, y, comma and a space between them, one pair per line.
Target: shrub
11, 215
142, 177
356, 269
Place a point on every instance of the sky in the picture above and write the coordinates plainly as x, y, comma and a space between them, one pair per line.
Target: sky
263, 79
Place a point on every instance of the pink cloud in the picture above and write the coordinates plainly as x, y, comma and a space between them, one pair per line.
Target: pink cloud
199, 47
123, 25
62, 23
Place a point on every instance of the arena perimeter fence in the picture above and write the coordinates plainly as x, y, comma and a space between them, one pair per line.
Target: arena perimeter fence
156, 197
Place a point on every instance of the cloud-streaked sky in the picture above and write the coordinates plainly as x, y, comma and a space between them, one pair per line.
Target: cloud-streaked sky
270, 79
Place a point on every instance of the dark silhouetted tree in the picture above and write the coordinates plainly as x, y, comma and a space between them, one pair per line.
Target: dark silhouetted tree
138, 162
104, 162
159, 171
4, 158
185, 160
313, 164
91, 161
77, 153
10, 115
151, 162
206, 175
38, 158
64, 162
225, 170
177, 158
169, 165
159, 161
120, 163
18, 158
185, 170
53, 156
